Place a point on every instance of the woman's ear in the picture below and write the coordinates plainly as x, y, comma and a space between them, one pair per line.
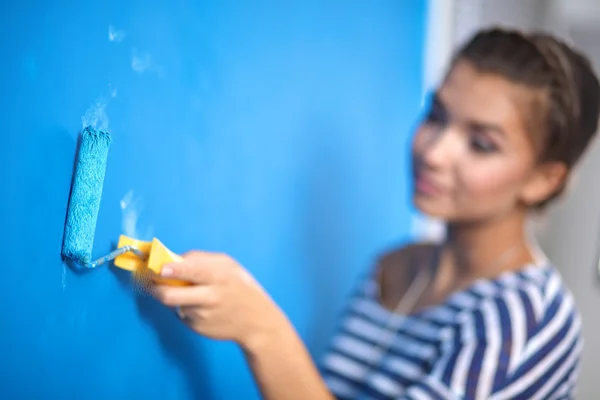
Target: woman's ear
545, 181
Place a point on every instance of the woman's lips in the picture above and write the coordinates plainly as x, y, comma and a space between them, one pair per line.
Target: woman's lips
426, 186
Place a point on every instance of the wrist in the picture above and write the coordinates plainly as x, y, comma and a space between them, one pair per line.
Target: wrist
270, 332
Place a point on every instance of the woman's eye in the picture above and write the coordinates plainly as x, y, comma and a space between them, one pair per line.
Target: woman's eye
483, 145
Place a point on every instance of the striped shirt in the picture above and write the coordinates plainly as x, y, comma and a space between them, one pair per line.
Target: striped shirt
514, 337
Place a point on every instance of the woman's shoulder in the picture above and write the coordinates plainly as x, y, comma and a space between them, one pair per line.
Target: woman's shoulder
535, 297
397, 267
408, 257
401, 254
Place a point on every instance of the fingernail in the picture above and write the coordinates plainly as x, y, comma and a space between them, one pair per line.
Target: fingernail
166, 271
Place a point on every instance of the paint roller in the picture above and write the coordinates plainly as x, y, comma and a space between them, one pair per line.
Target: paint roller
144, 258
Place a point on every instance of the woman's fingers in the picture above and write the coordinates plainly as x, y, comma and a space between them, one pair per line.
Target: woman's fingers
198, 296
196, 267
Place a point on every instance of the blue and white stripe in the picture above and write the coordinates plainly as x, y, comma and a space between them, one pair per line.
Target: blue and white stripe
515, 337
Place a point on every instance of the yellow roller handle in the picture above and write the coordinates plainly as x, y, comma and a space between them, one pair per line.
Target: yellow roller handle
157, 255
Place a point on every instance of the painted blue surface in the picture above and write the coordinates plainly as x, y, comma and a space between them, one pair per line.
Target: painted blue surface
275, 132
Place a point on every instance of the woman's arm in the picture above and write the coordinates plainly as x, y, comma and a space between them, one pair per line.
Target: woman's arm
225, 302
282, 366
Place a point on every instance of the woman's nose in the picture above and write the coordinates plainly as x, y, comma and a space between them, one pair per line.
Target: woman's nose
442, 149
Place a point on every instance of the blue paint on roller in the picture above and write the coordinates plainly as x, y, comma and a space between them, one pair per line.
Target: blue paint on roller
86, 192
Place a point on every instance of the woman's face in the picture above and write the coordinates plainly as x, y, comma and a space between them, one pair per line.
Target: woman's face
473, 158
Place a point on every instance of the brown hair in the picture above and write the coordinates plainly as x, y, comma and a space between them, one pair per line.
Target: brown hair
565, 78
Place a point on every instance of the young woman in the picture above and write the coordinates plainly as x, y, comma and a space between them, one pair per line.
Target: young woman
481, 315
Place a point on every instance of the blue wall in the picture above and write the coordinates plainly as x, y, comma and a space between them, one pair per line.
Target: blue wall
274, 132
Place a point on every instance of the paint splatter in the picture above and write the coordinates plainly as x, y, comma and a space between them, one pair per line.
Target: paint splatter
131, 208
112, 91
96, 116
116, 35
140, 62
64, 278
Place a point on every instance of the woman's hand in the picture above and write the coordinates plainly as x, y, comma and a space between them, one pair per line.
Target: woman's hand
223, 302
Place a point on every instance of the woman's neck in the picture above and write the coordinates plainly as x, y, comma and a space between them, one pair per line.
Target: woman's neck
474, 250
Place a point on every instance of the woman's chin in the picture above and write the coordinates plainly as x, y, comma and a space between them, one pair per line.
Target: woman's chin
431, 207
